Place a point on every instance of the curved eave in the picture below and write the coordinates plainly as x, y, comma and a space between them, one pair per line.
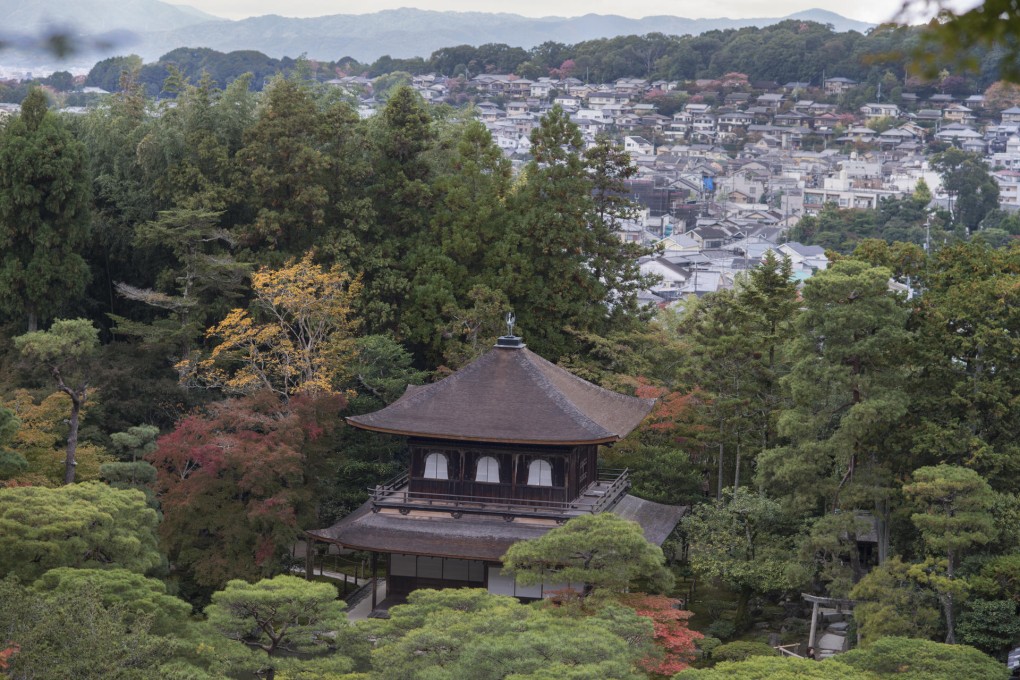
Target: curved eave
455, 555
493, 440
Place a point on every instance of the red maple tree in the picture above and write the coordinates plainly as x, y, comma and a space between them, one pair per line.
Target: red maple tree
234, 482
675, 640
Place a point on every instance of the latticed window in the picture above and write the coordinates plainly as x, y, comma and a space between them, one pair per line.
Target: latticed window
436, 466
487, 470
540, 473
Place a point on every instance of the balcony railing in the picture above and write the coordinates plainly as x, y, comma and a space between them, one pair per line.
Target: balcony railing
600, 496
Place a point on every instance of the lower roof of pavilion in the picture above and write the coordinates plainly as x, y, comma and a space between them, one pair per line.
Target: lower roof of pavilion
472, 537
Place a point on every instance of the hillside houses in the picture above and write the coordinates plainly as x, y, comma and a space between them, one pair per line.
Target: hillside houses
767, 152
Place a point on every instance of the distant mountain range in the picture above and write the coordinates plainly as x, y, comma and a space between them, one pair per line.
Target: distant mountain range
152, 28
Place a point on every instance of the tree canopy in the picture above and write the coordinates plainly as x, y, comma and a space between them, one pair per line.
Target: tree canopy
599, 550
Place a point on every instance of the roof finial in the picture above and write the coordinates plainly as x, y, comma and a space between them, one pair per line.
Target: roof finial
510, 340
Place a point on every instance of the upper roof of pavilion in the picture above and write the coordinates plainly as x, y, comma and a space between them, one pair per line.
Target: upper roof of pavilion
510, 395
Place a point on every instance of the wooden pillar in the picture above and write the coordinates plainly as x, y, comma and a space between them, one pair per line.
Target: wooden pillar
375, 562
814, 626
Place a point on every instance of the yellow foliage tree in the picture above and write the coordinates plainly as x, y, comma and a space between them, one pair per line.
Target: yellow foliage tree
297, 338
42, 439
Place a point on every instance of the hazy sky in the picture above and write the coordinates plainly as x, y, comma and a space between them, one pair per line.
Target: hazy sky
865, 10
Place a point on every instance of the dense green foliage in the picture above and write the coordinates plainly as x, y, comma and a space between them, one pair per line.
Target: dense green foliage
834, 438
787, 51
469, 633
603, 551
44, 220
88, 525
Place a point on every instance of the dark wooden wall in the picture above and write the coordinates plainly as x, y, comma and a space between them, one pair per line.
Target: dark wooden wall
570, 476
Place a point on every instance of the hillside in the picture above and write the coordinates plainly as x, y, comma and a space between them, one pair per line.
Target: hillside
160, 27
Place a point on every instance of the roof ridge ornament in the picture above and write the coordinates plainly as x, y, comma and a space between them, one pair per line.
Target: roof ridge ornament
510, 341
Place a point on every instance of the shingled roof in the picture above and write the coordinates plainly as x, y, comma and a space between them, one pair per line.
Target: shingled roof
474, 537
511, 395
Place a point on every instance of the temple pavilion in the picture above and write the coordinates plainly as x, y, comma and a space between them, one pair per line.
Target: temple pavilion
501, 451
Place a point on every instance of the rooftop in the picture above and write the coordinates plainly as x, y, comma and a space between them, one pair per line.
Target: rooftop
510, 395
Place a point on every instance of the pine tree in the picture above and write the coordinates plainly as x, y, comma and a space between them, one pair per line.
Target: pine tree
403, 198
848, 388
565, 269
44, 220
282, 170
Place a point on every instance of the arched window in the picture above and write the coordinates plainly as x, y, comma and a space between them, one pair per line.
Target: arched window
539, 473
488, 470
436, 466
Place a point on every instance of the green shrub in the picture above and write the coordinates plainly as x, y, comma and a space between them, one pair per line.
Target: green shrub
722, 629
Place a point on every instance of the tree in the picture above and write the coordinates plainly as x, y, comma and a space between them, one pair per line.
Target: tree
283, 169
88, 525
107, 73
299, 339
402, 194
848, 388
967, 322
957, 36
1000, 96
738, 541
236, 482
973, 192
131, 471
11, 462
777, 668
609, 167
890, 602
731, 356
65, 350
601, 551
281, 614
75, 634
137, 597
563, 267
990, 625
955, 504
675, 640
44, 220
206, 277
912, 659
739, 650
456, 275
41, 440
460, 633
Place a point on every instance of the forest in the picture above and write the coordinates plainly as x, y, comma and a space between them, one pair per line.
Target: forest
194, 294
790, 51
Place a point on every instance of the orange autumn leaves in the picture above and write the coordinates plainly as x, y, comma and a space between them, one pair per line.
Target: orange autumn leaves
295, 337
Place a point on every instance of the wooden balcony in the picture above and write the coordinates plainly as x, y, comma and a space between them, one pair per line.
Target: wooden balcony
600, 496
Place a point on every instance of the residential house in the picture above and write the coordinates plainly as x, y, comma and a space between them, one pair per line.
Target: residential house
601, 99
733, 121
638, 146
838, 85
1009, 187
880, 110
959, 113
542, 87
1011, 115
804, 257
771, 101
516, 108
